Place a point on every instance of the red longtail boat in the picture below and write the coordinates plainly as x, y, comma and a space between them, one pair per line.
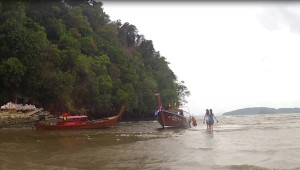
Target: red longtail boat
172, 116
80, 122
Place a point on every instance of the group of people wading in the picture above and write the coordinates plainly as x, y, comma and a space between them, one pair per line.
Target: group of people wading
209, 119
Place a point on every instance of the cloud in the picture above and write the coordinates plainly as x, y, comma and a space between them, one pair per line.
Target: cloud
291, 16
281, 16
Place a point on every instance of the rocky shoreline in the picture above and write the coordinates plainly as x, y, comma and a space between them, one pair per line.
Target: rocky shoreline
12, 118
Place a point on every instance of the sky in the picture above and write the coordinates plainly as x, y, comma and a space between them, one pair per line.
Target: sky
229, 55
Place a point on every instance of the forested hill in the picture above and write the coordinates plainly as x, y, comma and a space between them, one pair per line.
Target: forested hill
67, 55
262, 110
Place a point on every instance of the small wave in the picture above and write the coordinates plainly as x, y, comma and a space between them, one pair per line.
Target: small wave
268, 152
244, 167
205, 149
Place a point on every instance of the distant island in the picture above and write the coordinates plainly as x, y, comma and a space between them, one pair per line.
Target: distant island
261, 110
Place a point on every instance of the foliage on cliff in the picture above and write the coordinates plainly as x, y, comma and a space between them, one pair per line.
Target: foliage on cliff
69, 56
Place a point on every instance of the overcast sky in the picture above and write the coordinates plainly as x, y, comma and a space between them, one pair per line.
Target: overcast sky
229, 55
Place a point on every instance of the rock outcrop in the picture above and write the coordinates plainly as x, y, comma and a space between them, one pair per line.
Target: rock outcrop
20, 116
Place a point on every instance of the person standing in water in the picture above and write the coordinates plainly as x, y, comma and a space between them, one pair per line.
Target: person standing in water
194, 121
206, 119
211, 120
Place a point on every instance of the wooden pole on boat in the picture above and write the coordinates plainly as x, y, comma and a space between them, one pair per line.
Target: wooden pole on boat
158, 100
160, 108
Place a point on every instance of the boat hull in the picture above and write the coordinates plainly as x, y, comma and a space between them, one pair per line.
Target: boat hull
93, 124
170, 119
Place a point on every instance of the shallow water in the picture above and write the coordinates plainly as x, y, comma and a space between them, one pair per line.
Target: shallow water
238, 142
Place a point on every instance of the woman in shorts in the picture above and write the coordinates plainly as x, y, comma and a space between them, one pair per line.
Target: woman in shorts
211, 120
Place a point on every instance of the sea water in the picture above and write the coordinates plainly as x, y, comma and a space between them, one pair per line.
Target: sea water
237, 142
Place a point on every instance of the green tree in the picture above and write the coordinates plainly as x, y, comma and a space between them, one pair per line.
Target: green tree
12, 72
89, 47
128, 35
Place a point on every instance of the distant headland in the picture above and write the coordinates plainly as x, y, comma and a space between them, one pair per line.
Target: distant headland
262, 110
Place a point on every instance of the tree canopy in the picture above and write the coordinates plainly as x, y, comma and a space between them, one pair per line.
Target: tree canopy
69, 56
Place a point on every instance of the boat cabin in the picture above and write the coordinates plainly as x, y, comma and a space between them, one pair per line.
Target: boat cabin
67, 120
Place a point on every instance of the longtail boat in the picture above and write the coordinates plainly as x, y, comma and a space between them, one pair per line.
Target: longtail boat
172, 116
80, 122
